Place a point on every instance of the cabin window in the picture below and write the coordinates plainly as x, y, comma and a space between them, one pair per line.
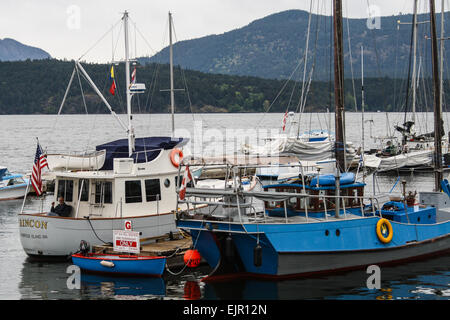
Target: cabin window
83, 193
65, 190
133, 191
152, 190
167, 183
103, 192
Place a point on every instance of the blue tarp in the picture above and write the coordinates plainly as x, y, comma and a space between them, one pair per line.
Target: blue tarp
146, 149
330, 179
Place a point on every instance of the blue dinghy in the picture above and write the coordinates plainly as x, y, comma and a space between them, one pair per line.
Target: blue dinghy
123, 265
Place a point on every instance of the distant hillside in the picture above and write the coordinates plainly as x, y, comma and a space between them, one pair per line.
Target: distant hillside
27, 88
12, 50
271, 47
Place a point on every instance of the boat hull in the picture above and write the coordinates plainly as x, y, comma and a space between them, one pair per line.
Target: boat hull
48, 237
13, 192
309, 248
120, 265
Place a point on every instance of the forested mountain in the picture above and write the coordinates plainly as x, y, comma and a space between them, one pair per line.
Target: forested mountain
272, 47
38, 86
12, 50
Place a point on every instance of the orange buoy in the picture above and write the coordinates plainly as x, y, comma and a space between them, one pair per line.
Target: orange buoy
175, 157
192, 258
192, 291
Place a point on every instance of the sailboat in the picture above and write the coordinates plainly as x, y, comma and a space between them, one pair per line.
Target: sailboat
312, 147
135, 186
414, 151
318, 223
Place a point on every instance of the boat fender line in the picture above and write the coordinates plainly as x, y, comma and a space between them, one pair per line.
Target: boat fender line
108, 264
384, 230
173, 155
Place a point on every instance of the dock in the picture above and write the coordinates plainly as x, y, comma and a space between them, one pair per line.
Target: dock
173, 246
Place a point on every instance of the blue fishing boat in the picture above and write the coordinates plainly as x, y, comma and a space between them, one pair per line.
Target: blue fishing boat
12, 186
120, 265
319, 224
304, 228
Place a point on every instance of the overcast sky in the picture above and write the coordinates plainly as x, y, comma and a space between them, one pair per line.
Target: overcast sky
68, 28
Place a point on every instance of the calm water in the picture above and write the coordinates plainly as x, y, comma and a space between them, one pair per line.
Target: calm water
23, 279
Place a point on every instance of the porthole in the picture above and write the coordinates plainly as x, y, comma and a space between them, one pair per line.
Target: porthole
338, 233
327, 232
167, 183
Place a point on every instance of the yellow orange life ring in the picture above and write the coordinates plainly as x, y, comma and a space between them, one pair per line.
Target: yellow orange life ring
173, 157
384, 230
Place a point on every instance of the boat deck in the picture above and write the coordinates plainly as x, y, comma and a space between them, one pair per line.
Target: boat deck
158, 246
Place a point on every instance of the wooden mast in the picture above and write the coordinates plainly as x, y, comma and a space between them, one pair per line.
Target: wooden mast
339, 86
437, 103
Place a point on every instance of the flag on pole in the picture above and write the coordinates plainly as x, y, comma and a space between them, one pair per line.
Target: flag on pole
112, 89
43, 158
284, 120
36, 179
187, 177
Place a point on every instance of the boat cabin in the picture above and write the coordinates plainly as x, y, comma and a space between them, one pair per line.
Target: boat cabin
322, 190
124, 187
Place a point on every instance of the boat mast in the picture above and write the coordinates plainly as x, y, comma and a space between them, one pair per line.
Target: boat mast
130, 130
172, 96
442, 55
414, 75
339, 86
362, 110
437, 102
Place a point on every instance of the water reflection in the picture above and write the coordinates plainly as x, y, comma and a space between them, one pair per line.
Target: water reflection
104, 287
428, 279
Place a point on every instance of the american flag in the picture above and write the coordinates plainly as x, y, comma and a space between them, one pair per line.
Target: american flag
43, 159
40, 162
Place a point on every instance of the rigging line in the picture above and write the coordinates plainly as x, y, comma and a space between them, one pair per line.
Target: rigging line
311, 73
409, 73
101, 38
279, 93
350, 57
184, 79
142, 36
117, 43
157, 65
82, 92
377, 59
304, 66
395, 68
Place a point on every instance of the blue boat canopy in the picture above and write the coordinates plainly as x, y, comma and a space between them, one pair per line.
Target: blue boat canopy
330, 179
146, 149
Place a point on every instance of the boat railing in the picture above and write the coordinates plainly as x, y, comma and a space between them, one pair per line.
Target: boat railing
243, 201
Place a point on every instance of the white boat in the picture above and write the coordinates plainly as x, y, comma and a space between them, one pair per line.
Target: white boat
85, 161
12, 186
143, 193
136, 184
